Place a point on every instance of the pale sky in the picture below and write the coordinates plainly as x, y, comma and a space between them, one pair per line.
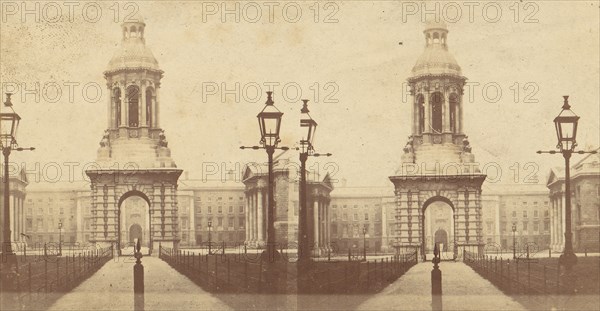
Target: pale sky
366, 57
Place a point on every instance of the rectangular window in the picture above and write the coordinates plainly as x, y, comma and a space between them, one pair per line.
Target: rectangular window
29, 224
536, 227
535, 214
367, 216
199, 209
230, 198
355, 206
241, 198
220, 209
345, 217
525, 225
344, 206
334, 206
230, 209
355, 217
230, 223
546, 226
50, 210
489, 227
241, 222
241, 209
524, 214
220, 222
62, 211
29, 211
546, 213
334, 216
210, 209
514, 214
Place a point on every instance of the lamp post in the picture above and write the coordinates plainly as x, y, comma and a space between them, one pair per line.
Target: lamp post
269, 122
514, 230
60, 238
209, 237
566, 133
306, 149
365, 242
9, 123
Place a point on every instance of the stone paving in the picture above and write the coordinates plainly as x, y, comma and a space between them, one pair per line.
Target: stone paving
111, 288
463, 289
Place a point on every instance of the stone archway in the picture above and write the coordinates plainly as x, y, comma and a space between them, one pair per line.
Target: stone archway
158, 187
415, 192
434, 217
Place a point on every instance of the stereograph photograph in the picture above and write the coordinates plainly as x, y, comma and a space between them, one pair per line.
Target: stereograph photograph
300, 155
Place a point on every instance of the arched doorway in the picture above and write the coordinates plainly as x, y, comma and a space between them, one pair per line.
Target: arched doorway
441, 238
134, 221
438, 225
135, 233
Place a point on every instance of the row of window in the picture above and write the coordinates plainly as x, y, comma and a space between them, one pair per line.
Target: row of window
334, 217
218, 223
366, 206
198, 198
50, 211
209, 209
536, 214
525, 226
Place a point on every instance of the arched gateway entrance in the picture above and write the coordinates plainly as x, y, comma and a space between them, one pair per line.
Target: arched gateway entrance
417, 201
153, 206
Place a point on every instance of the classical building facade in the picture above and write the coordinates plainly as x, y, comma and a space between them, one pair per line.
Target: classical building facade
222, 202
585, 205
286, 187
524, 205
134, 158
18, 223
437, 164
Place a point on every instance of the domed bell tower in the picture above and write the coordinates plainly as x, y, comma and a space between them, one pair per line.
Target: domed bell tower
134, 158
437, 163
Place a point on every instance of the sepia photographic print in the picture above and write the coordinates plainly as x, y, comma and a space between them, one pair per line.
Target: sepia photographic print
300, 155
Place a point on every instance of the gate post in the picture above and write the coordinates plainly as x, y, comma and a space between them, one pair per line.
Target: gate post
436, 281
138, 279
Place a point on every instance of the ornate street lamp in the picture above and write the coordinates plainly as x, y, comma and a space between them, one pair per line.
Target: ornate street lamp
60, 238
306, 149
9, 123
514, 231
209, 236
269, 122
566, 133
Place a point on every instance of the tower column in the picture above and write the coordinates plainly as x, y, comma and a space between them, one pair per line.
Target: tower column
142, 107
460, 114
446, 110
427, 119
156, 107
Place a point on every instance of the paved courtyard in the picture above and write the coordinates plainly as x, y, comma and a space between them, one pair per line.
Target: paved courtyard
111, 288
463, 289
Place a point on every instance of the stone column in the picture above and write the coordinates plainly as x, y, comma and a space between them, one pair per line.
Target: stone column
253, 216
316, 221
446, 111
109, 110
427, 118
497, 223
142, 107
562, 222
459, 115
247, 219
124, 104
260, 216
156, 107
